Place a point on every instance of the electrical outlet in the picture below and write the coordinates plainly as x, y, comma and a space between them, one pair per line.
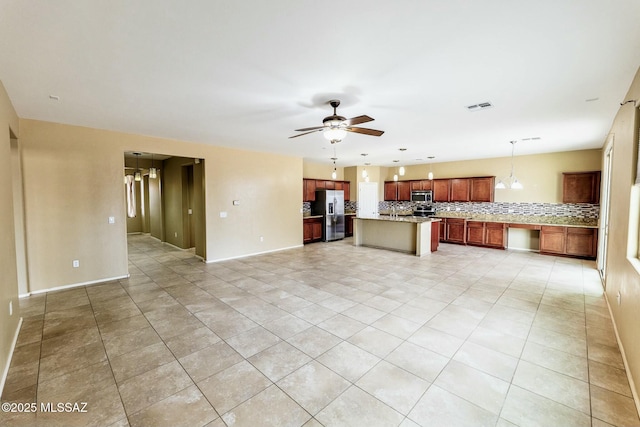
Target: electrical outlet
619, 298
76, 263
175, 234
112, 220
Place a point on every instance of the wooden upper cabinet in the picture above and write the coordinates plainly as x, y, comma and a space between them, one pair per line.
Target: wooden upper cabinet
482, 189
309, 186
460, 190
390, 190
416, 185
581, 187
427, 184
330, 185
441, 190
346, 187
404, 191
338, 185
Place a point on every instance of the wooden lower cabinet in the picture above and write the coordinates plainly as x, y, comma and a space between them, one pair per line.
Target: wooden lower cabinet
456, 230
348, 225
475, 233
311, 230
582, 242
572, 241
490, 234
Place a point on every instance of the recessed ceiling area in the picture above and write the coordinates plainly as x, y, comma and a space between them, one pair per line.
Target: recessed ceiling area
246, 74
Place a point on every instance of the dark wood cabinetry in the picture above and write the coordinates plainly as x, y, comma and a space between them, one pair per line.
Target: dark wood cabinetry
453, 230
421, 185
441, 190
460, 190
572, 241
491, 234
311, 230
397, 191
348, 220
309, 187
495, 235
581, 187
482, 189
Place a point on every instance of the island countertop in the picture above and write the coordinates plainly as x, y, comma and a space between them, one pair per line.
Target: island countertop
406, 218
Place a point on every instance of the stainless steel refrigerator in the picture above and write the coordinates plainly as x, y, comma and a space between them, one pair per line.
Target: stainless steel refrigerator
330, 204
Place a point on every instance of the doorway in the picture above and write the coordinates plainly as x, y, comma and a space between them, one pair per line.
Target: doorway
604, 209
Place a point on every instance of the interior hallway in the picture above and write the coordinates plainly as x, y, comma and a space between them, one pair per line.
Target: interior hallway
328, 334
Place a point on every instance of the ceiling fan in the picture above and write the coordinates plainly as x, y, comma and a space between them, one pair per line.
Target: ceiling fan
335, 127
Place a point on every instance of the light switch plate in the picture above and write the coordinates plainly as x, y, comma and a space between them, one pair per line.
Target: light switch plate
223, 214
112, 220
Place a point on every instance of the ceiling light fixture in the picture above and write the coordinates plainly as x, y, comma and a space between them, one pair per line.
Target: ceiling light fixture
365, 175
401, 170
430, 174
335, 132
153, 172
334, 174
514, 184
137, 176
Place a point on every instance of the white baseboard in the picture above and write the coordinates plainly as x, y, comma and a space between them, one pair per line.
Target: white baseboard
11, 350
632, 385
73, 285
254, 254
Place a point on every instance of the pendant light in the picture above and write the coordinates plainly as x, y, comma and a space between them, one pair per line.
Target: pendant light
395, 176
137, 176
334, 174
401, 170
365, 174
514, 184
153, 172
430, 174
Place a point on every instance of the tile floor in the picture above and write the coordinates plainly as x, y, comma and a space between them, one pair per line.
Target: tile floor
328, 334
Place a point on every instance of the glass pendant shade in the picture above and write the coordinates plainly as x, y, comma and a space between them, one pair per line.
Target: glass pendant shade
153, 173
500, 185
335, 133
395, 177
364, 173
516, 185
430, 176
334, 174
137, 176
401, 171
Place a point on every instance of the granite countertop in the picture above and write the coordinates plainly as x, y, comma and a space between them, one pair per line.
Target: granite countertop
309, 216
566, 221
402, 218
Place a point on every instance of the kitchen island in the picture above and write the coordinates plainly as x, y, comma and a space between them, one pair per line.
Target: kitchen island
414, 235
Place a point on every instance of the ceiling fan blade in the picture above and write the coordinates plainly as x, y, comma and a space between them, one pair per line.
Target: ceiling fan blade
306, 133
358, 120
306, 129
365, 131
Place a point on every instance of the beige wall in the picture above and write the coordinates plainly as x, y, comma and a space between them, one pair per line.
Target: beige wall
321, 171
8, 270
621, 275
67, 209
540, 174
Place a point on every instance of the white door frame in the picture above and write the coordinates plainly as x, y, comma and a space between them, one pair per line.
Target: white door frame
605, 196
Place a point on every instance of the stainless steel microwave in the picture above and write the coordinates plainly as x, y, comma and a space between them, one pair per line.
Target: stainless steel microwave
422, 196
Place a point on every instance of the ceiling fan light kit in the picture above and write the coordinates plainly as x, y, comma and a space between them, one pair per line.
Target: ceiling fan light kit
335, 127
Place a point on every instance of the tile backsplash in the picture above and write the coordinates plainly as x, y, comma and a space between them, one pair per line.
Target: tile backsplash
578, 210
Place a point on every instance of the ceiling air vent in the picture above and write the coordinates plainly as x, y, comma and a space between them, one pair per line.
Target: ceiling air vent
479, 106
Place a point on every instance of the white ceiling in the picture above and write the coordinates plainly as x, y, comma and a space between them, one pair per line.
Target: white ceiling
247, 73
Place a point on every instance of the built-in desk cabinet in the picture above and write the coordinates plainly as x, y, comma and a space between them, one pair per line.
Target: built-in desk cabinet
572, 241
490, 234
